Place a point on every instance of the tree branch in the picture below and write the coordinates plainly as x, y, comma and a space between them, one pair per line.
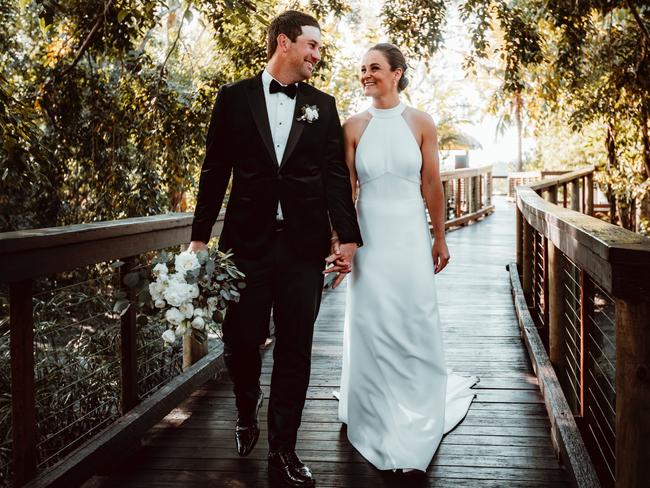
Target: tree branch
91, 34
178, 35
639, 20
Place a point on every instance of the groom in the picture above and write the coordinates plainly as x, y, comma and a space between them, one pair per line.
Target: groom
290, 206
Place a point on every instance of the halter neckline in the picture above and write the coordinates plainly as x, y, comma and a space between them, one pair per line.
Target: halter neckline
386, 113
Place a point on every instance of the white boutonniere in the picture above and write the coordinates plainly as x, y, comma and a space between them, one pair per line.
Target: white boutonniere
308, 113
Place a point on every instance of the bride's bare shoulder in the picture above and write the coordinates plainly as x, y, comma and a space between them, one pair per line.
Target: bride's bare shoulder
356, 124
421, 119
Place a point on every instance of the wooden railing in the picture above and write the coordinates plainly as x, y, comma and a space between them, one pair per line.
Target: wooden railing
41, 262
127, 402
468, 194
587, 286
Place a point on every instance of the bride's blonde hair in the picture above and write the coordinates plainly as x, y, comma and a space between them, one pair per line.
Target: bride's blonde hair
395, 60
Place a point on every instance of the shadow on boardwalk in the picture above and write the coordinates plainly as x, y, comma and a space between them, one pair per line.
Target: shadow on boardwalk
503, 442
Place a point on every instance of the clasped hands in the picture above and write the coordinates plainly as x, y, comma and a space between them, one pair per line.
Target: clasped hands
340, 259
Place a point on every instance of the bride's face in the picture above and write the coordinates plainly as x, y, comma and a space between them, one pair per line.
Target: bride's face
377, 79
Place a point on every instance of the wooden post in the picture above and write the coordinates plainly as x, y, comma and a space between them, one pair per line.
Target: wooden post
128, 343
632, 391
587, 293
564, 195
445, 192
488, 189
527, 260
520, 239
556, 309
23, 404
458, 198
589, 192
480, 191
575, 195
471, 194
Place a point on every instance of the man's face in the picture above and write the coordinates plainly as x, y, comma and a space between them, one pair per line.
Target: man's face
305, 52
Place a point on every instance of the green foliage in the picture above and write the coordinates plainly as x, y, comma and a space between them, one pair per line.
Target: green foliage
415, 26
585, 65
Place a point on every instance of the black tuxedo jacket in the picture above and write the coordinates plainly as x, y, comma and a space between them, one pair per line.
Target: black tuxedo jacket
312, 181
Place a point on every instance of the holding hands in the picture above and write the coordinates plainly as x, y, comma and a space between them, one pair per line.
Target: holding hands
340, 259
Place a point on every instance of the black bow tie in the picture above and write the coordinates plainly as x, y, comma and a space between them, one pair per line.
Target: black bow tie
289, 90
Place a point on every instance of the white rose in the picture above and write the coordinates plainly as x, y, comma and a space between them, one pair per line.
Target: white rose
186, 261
180, 330
160, 303
187, 309
160, 269
198, 323
169, 336
177, 293
311, 114
199, 312
174, 316
178, 277
156, 289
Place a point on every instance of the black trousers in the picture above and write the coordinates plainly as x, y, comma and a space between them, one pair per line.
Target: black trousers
290, 285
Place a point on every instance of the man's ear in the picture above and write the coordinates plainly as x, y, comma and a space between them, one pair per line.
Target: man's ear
283, 42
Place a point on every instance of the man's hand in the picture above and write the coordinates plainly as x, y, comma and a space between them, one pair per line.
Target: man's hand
196, 246
440, 255
340, 258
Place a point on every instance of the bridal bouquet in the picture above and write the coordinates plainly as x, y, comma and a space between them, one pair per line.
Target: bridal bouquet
192, 290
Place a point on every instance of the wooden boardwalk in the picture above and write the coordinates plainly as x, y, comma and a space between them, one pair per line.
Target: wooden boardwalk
503, 442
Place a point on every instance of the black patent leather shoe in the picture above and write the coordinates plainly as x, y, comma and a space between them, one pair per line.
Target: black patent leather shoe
285, 467
247, 433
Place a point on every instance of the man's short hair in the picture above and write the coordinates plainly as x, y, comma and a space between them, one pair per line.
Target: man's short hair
290, 24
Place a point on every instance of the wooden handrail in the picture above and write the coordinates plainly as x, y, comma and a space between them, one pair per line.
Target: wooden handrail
615, 257
564, 178
576, 272
451, 174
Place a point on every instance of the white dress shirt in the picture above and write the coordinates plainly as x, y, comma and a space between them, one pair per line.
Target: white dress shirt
280, 109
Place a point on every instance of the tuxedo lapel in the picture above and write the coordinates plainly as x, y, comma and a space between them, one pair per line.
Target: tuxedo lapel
296, 127
260, 115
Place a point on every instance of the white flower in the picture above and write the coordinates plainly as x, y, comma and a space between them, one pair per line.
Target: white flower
174, 316
177, 277
213, 303
178, 293
199, 312
187, 309
160, 269
160, 303
156, 289
309, 113
180, 330
169, 336
198, 323
194, 290
186, 261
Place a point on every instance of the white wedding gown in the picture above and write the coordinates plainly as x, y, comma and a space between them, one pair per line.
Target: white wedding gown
397, 397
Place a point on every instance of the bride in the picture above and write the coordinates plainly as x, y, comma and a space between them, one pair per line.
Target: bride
397, 397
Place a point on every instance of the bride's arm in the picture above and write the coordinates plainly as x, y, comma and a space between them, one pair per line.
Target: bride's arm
349, 143
432, 190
